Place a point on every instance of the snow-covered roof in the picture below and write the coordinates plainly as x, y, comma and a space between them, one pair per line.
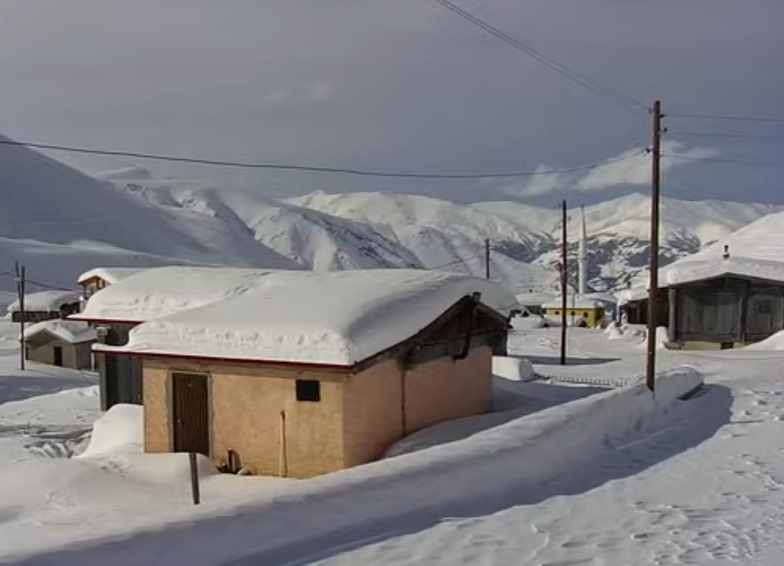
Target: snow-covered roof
46, 301
328, 318
575, 302
683, 272
67, 330
161, 291
634, 294
535, 298
111, 275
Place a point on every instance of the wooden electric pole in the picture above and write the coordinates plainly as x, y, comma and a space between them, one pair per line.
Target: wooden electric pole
564, 281
487, 259
653, 285
19, 276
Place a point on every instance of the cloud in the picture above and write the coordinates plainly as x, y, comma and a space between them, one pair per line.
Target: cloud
630, 168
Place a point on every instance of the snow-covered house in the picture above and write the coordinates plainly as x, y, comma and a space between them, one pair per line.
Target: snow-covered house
129, 299
633, 303
532, 301
101, 277
62, 343
724, 302
46, 305
579, 309
303, 373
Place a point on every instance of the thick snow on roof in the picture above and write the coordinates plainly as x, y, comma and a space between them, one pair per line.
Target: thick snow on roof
682, 272
634, 294
111, 275
763, 239
161, 291
334, 318
575, 302
71, 331
535, 298
46, 301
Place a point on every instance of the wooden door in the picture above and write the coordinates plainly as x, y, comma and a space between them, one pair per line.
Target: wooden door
58, 356
190, 412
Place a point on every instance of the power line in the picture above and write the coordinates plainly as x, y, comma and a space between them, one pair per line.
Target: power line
769, 119
536, 54
47, 286
309, 168
722, 135
725, 160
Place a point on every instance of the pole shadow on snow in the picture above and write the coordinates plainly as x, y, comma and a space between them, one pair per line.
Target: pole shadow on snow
688, 424
570, 361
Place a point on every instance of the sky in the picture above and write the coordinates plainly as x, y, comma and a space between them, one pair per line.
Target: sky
406, 85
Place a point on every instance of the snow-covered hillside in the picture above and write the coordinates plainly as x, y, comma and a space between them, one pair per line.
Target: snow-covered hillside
618, 231
314, 239
59, 221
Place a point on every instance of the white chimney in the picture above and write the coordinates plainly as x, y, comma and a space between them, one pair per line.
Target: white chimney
582, 258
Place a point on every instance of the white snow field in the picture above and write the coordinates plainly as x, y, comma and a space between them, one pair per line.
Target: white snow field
560, 474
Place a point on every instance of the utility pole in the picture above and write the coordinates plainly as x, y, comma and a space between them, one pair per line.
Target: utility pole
487, 259
653, 285
564, 281
19, 276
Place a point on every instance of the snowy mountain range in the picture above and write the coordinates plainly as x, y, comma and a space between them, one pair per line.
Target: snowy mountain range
60, 222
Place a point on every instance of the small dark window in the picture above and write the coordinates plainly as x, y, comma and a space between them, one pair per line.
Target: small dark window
585, 314
308, 390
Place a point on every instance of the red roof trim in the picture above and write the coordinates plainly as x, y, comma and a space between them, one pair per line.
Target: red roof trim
78, 318
193, 357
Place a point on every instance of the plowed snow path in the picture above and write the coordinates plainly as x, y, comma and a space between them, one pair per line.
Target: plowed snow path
720, 502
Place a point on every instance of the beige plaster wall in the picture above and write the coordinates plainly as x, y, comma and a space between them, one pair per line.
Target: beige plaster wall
75, 356
246, 403
373, 414
446, 389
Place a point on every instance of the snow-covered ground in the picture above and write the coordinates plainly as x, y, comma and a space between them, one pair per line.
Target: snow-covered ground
560, 474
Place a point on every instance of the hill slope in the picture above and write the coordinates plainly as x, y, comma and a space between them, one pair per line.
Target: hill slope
50, 212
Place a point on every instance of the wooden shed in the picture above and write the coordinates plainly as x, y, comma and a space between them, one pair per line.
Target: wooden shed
315, 372
725, 303
60, 343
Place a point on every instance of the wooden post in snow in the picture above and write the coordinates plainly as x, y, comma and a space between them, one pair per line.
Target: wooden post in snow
20, 277
194, 465
564, 281
653, 286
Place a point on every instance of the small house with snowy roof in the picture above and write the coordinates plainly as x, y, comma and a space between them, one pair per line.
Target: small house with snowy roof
302, 373
581, 310
96, 279
61, 343
723, 302
45, 305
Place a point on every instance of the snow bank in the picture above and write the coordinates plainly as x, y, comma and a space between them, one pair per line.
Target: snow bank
68, 330
531, 322
336, 318
772, 343
46, 301
118, 439
118, 431
514, 369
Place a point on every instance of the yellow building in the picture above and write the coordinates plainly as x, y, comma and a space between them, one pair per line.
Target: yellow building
315, 372
580, 311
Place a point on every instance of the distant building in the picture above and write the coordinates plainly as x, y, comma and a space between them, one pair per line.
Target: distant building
634, 304
306, 373
532, 301
724, 302
580, 311
46, 305
101, 277
60, 343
